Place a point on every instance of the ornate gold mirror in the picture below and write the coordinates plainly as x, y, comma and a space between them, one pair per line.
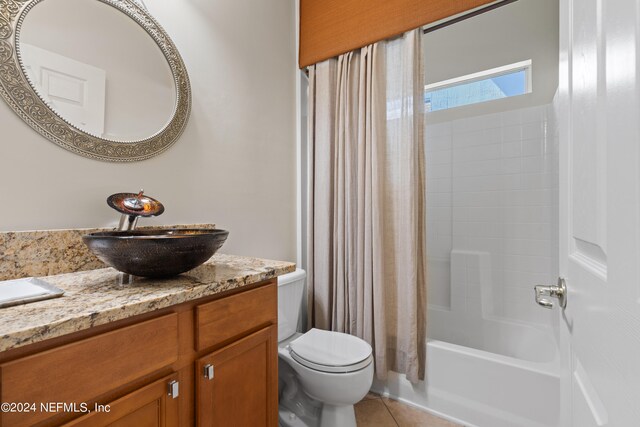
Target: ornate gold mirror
100, 78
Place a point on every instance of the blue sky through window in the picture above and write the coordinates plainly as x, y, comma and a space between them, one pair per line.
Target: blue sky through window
501, 86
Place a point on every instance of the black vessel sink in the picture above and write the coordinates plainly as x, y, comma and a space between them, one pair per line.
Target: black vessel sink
155, 253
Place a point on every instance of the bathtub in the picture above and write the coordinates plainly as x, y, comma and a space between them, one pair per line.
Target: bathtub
506, 375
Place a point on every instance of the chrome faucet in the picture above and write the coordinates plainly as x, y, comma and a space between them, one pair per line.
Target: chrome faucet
132, 206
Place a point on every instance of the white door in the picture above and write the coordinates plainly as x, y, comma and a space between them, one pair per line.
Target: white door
599, 118
75, 90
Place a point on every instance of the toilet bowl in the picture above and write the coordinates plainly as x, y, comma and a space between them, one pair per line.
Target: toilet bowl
322, 373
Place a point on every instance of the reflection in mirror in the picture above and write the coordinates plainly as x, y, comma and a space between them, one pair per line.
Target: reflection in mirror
98, 69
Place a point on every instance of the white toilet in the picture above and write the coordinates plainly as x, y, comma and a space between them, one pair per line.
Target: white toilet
322, 374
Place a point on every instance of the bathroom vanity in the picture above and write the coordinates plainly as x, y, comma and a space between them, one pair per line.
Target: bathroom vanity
197, 349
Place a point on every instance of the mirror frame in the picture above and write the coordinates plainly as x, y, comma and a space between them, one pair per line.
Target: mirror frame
19, 93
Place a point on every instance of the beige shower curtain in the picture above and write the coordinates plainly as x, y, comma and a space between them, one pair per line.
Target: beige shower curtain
366, 230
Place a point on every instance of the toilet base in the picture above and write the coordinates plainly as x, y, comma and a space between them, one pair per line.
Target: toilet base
332, 416
287, 418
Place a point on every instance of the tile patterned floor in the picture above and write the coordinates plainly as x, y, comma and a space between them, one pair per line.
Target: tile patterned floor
376, 411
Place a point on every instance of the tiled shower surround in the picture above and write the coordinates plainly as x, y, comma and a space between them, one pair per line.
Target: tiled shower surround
492, 188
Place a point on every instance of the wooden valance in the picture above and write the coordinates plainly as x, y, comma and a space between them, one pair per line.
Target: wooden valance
332, 27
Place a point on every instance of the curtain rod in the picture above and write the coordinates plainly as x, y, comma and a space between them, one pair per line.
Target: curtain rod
468, 15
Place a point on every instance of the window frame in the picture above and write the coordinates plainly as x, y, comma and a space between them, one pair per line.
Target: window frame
516, 67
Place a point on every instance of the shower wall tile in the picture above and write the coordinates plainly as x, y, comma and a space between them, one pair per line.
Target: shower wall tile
439, 129
438, 143
439, 247
439, 279
439, 213
511, 149
440, 157
492, 188
439, 185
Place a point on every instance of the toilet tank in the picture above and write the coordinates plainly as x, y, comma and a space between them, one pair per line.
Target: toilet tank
290, 294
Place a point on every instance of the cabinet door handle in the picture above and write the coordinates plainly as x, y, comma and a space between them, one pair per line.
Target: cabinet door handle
208, 372
174, 389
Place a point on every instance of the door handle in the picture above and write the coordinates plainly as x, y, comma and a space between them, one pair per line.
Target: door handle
558, 291
174, 389
209, 371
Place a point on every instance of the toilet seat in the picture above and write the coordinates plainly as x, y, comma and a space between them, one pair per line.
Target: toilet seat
331, 352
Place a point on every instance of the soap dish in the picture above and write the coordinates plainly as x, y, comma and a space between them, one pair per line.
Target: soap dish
26, 290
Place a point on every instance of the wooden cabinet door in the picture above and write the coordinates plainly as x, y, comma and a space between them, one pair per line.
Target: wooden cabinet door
87, 369
238, 384
149, 406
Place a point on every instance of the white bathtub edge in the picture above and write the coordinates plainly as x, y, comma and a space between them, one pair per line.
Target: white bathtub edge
543, 368
445, 394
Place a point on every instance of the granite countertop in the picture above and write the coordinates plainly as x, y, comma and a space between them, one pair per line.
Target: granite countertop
96, 297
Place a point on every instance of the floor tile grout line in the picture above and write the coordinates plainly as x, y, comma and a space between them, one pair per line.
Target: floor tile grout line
389, 411
384, 401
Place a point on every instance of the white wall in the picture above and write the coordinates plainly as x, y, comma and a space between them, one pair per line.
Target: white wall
526, 29
235, 163
492, 184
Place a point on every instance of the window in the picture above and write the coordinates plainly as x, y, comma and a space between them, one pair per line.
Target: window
497, 83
